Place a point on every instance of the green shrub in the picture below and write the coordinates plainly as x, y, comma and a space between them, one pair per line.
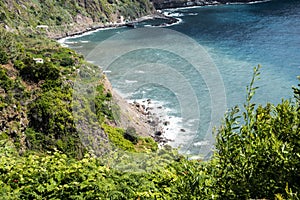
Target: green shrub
36, 72
52, 120
130, 134
65, 62
3, 57
103, 104
116, 137
5, 82
258, 156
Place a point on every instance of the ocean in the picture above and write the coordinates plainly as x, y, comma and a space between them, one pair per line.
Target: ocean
200, 67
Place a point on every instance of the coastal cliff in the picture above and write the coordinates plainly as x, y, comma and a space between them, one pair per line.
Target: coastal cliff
62, 18
38, 75
44, 156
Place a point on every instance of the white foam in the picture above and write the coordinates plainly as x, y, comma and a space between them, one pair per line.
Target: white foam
174, 14
171, 125
202, 143
64, 40
140, 72
251, 2
131, 81
179, 21
192, 14
185, 8
106, 71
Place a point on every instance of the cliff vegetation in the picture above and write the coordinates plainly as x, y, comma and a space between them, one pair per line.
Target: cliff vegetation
57, 18
44, 155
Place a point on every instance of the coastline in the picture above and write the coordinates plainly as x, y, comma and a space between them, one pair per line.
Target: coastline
132, 114
95, 28
160, 14
158, 125
146, 117
177, 4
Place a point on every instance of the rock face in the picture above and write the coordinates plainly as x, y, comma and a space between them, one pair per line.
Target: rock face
129, 116
163, 4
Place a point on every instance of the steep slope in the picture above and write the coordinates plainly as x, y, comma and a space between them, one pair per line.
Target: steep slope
37, 76
60, 16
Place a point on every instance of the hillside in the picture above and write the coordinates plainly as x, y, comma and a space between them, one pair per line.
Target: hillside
61, 134
58, 18
37, 75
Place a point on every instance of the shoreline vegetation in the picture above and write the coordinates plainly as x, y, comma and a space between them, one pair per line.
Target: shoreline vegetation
158, 125
42, 151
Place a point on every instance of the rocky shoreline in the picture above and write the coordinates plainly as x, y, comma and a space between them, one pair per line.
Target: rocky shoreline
89, 28
144, 116
86, 26
167, 4
149, 114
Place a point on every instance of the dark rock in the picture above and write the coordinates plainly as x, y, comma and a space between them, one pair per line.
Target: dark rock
158, 133
149, 108
166, 123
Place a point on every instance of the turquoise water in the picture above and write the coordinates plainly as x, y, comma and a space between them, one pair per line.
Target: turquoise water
236, 38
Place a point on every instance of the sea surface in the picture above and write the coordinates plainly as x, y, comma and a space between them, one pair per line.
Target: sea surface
227, 41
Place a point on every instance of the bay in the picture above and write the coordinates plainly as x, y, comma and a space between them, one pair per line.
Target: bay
236, 38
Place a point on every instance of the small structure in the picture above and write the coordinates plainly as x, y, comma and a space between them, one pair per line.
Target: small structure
39, 60
121, 20
42, 26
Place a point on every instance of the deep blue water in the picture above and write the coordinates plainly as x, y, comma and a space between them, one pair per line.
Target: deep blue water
236, 38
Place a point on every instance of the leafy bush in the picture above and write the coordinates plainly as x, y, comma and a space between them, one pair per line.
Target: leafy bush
3, 57
56, 176
67, 62
52, 120
36, 71
258, 156
116, 136
5, 82
102, 104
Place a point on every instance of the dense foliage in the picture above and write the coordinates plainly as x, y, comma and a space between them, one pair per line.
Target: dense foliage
39, 109
258, 152
61, 15
256, 156
43, 156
